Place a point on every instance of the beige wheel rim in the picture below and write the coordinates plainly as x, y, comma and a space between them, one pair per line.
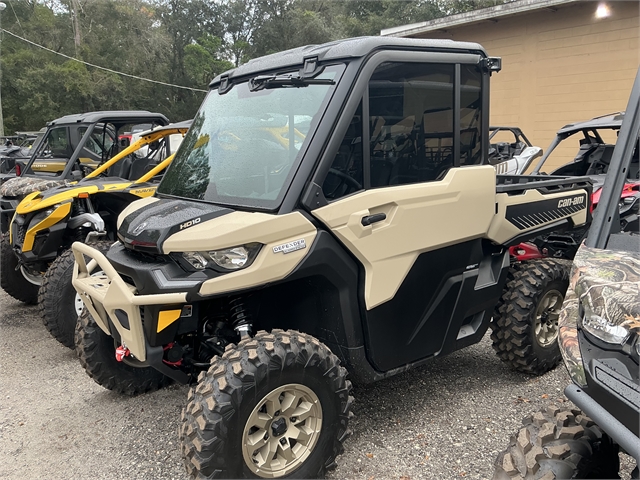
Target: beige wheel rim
546, 327
282, 431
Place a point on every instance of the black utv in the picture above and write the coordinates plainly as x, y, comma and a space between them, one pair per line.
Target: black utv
331, 211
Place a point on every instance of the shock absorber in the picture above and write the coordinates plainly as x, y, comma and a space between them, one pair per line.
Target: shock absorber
240, 319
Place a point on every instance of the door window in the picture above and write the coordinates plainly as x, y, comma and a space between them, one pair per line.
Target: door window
470, 115
346, 173
411, 122
410, 127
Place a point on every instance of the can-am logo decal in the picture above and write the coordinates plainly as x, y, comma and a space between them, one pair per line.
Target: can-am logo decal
569, 202
190, 223
529, 215
139, 229
290, 247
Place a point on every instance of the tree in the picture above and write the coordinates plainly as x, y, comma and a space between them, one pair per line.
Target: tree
203, 59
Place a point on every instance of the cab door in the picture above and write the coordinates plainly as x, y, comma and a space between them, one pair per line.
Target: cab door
412, 204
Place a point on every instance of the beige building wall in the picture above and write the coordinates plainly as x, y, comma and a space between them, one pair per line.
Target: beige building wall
559, 66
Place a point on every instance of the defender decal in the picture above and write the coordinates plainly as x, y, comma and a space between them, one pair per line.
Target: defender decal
290, 247
531, 215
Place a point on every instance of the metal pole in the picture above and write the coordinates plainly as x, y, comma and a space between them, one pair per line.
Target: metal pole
2, 7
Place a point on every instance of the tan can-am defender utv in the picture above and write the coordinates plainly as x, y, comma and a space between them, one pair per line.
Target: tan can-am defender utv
330, 211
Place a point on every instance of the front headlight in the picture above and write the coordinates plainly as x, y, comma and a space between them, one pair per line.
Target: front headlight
39, 217
233, 258
600, 327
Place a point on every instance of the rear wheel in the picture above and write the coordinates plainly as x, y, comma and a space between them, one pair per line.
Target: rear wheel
273, 406
556, 444
23, 287
96, 351
525, 322
58, 302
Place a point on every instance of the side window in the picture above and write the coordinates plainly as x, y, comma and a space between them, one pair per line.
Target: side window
470, 115
101, 140
346, 173
411, 122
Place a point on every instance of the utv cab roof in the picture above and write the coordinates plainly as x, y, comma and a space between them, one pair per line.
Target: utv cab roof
345, 49
613, 120
119, 116
178, 125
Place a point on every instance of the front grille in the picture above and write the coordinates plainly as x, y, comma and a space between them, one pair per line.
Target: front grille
19, 230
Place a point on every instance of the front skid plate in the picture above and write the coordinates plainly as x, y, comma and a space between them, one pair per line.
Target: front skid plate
104, 294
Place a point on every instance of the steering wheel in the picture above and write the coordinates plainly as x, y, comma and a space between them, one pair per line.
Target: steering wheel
345, 178
345, 181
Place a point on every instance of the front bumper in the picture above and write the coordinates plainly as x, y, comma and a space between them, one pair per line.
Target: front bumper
610, 424
114, 302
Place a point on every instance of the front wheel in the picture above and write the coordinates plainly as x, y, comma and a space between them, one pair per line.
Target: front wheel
525, 322
96, 351
58, 302
13, 279
556, 444
273, 406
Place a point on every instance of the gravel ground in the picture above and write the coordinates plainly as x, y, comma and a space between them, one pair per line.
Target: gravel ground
446, 420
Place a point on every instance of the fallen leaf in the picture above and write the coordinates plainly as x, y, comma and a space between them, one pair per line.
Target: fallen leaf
370, 478
405, 477
369, 455
544, 395
426, 457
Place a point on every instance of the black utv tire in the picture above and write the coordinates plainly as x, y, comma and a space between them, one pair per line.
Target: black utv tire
57, 298
531, 287
558, 443
240, 386
96, 351
11, 280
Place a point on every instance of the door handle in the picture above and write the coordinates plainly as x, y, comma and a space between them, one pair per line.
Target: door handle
376, 217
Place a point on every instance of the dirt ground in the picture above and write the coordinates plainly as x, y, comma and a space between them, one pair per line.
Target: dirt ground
446, 420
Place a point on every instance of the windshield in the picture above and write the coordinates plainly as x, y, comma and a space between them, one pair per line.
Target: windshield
244, 146
56, 144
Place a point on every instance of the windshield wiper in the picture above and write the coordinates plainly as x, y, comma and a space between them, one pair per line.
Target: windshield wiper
262, 82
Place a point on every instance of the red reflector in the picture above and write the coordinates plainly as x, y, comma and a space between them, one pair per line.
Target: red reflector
18, 169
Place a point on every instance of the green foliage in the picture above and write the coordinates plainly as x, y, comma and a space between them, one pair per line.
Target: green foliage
202, 59
181, 42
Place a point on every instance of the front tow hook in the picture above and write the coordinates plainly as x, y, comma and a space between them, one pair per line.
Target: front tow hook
122, 352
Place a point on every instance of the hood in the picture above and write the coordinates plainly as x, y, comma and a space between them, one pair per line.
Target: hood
20, 186
147, 228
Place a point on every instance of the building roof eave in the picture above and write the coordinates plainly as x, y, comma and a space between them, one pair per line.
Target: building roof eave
474, 16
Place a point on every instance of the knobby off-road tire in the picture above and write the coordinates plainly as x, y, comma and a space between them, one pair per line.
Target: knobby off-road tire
58, 302
525, 321
11, 280
96, 351
555, 444
239, 421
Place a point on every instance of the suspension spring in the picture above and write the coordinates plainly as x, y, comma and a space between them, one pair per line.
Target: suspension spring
240, 319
